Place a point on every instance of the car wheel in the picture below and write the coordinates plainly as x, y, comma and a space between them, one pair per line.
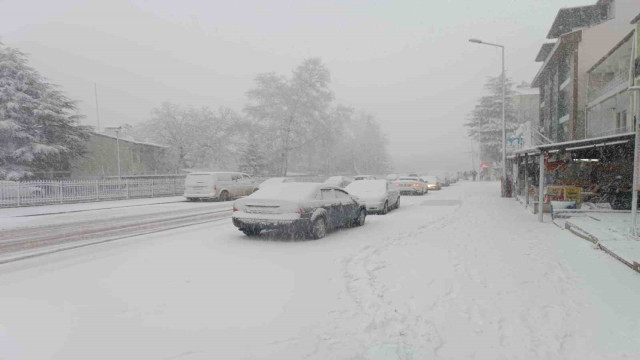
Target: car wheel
385, 208
359, 221
319, 228
397, 205
224, 196
251, 231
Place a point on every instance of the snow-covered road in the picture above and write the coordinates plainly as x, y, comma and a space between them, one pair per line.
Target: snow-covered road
459, 273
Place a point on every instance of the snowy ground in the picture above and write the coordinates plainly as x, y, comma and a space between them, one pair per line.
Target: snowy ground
459, 273
612, 231
11, 218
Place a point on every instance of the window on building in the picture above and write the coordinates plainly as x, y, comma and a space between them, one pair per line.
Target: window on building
621, 120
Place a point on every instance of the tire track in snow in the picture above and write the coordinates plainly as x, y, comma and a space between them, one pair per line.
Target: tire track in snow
382, 325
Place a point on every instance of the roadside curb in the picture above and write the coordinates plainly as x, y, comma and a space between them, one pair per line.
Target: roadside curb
581, 233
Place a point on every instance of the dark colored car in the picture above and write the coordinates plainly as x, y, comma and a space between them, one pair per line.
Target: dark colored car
308, 208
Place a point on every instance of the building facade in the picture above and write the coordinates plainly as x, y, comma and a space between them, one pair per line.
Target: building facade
583, 36
136, 157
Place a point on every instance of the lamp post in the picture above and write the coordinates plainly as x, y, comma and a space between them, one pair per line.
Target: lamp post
117, 130
504, 121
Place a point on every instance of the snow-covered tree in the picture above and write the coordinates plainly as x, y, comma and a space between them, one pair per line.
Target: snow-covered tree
252, 160
197, 137
39, 130
290, 108
485, 121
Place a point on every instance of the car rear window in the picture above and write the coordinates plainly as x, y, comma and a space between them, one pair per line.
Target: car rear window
287, 191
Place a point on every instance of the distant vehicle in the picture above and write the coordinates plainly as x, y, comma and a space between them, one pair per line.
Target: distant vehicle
378, 196
338, 181
309, 208
392, 177
275, 180
221, 186
411, 185
433, 183
363, 177
14, 189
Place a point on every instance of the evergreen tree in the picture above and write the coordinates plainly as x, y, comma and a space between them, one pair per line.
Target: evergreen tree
252, 160
485, 121
39, 129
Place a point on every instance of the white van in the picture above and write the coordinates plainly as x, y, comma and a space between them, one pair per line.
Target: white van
222, 186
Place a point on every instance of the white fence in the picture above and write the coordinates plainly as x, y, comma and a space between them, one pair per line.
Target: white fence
28, 193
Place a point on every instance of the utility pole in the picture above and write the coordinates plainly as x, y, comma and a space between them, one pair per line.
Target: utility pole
95, 92
503, 181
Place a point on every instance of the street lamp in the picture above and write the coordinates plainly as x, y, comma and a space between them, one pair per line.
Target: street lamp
117, 130
503, 181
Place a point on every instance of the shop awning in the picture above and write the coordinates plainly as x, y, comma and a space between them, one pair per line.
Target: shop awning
583, 143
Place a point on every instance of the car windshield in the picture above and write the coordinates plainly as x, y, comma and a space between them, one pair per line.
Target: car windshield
408, 179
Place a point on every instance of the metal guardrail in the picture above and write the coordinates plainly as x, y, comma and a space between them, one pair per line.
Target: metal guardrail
29, 193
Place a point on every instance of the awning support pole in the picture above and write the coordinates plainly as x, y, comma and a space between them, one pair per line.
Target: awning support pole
541, 189
526, 180
634, 198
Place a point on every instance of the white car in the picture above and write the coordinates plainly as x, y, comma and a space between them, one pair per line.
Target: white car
221, 186
411, 185
433, 183
378, 196
338, 181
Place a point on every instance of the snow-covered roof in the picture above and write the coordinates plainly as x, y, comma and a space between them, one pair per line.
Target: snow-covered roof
571, 18
544, 51
602, 140
129, 140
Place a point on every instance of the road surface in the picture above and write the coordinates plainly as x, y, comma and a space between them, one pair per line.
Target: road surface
456, 274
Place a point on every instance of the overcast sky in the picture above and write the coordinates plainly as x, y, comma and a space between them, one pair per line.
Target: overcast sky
407, 62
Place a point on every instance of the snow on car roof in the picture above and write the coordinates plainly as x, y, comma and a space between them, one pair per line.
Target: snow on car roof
366, 186
287, 191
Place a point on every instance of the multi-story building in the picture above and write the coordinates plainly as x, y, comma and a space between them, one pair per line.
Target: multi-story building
584, 35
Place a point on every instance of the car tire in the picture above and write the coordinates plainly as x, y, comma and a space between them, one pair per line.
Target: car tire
397, 204
318, 228
224, 196
251, 231
385, 208
362, 215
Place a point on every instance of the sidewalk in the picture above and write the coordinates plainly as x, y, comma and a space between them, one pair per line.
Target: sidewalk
609, 231
38, 210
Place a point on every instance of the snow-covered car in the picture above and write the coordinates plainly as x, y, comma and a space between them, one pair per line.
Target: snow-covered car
411, 185
14, 189
275, 180
392, 177
378, 196
221, 186
433, 183
338, 181
363, 177
309, 208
